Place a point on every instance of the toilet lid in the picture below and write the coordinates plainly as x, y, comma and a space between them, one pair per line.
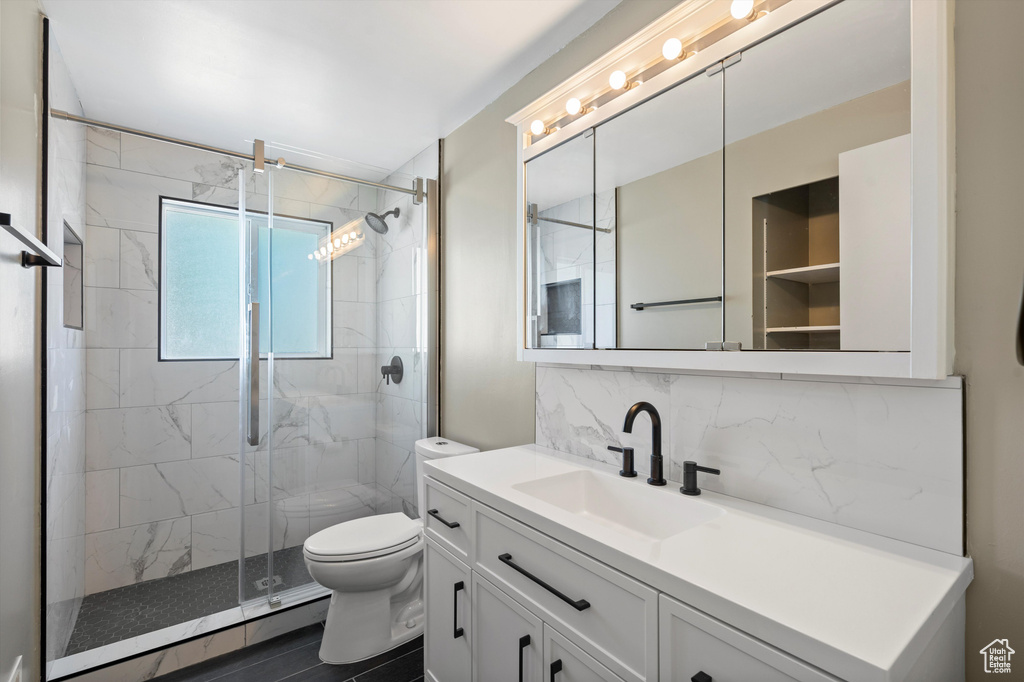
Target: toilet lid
367, 536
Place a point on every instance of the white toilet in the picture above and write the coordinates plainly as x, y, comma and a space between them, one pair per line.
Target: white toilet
374, 565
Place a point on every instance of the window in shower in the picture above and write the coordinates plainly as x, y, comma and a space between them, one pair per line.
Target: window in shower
198, 313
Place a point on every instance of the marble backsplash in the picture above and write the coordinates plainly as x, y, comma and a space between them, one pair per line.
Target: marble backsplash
881, 457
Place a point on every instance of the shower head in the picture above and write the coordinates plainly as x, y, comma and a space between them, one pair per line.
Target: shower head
378, 223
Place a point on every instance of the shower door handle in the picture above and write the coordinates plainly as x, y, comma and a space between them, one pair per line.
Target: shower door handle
253, 430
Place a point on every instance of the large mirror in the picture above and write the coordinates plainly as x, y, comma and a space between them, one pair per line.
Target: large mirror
560, 246
767, 203
817, 184
658, 174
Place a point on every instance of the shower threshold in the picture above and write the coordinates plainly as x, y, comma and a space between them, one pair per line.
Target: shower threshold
130, 621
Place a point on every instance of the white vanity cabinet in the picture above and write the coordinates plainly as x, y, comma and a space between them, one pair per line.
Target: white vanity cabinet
508, 640
447, 599
697, 647
566, 662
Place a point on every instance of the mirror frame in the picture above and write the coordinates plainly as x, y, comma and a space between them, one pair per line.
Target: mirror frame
933, 187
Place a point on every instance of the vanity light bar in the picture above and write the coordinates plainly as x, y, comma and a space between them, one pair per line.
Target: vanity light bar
672, 50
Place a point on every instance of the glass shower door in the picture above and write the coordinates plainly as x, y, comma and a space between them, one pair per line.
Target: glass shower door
286, 360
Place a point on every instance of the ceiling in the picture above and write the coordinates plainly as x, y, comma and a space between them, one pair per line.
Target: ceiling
368, 81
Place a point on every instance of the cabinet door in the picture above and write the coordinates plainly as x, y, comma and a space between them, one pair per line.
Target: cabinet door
566, 662
448, 610
507, 639
696, 647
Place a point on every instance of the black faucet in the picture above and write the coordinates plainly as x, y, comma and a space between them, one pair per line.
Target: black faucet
657, 463
690, 470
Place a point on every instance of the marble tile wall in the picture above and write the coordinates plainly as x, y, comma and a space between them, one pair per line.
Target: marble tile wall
161, 485
401, 272
568, 253
881, 457
66, 378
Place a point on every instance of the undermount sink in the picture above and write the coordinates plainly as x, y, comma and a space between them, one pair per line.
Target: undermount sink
620, 505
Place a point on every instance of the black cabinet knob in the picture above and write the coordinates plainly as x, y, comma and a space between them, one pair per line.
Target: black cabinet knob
701, 677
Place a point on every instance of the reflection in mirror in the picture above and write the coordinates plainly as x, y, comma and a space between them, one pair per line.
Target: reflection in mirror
658, 180
817, 184
560, 246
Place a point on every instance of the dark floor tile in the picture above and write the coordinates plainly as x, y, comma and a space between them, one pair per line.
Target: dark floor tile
125, 612
217, 668
403, 669
277, 667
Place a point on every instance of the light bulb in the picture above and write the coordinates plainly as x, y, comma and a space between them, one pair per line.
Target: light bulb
741, 9
316, 254
573, 106
538, 127
352, 236
337, 243
672, 48
617, 80
323, 250
330, 247
344, 239
309, 256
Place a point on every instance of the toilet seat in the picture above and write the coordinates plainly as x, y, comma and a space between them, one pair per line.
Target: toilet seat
365, 538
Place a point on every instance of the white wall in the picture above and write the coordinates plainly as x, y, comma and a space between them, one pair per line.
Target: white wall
20, 88
989, 271
486, 395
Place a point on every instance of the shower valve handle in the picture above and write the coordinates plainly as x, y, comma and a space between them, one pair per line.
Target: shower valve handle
393, 371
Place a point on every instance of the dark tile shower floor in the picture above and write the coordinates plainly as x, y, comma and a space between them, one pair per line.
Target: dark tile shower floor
125, 612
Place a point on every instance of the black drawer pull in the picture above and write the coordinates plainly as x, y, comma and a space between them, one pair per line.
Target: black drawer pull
556, 667
701, 677
459, 586
451, 524
524, 642
578, 604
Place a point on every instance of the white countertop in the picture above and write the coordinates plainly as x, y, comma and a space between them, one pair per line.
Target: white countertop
860, 606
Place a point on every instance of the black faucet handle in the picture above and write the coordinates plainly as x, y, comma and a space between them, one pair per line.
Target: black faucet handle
690, 470
628, 470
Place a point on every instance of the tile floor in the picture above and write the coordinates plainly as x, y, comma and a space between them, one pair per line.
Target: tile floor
295, 657
118, 614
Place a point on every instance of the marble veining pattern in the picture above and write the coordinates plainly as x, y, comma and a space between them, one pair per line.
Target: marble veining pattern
161, 495
66, 363
882, 458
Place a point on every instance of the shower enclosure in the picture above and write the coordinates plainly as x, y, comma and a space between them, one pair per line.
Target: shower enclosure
236, 318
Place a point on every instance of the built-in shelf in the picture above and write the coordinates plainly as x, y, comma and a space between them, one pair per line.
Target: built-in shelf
811, 274
818, 329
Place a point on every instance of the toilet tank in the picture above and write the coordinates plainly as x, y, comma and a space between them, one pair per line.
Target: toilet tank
434, 448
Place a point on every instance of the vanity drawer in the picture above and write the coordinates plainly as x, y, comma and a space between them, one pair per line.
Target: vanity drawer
693, 642
448, 518
613, 617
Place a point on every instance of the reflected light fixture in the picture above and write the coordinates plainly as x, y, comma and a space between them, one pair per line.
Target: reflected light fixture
672, 49
742, 9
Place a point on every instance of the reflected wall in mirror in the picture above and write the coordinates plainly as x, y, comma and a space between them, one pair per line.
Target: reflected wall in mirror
658, 172
560, 246
817, 184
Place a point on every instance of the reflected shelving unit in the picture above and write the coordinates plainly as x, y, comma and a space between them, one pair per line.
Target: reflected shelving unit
796, 261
